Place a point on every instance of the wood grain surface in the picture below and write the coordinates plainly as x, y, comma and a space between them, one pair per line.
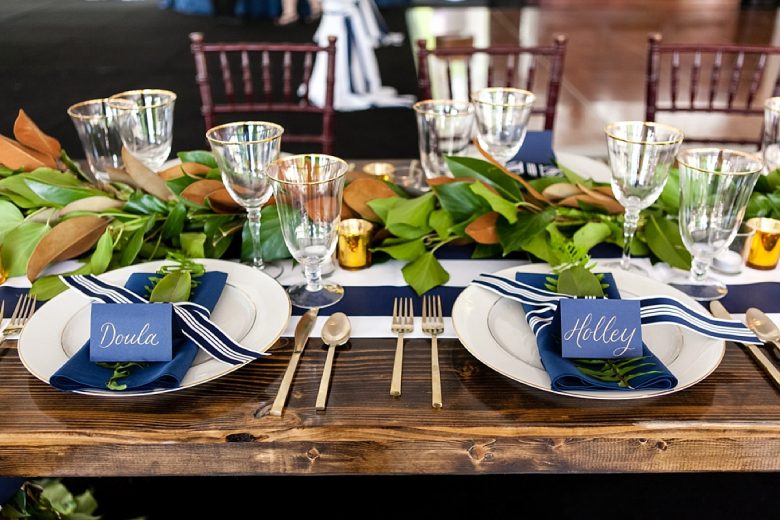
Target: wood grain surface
489, 424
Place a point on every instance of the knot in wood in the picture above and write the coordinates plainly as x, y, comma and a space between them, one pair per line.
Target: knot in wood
480, 453
240, 437
467, 369
313, 454
263, 410
661, 445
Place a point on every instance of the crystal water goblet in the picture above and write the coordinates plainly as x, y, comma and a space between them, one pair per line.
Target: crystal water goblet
243, 152
502, 115
308, 190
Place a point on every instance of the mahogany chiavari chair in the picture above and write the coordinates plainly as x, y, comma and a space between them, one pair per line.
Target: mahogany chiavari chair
710, 78
507, 66
282, 70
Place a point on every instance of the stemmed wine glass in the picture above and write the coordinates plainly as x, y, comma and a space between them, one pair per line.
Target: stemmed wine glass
502, 120
640, 155
770, 141
715, 185
308, 190
243, 152
145, 120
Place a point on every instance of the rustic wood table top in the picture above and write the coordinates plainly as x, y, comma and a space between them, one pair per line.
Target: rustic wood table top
489, 424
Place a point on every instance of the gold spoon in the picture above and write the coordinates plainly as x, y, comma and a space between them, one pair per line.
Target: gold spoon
335, 332
765, 329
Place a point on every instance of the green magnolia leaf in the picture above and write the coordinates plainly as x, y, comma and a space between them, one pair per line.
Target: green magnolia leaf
670, 196
425, 273
408, 232
16, 190
173, 287
101, 258
154, 250
768, 183
462, 203
486, 251
498, 204
198, 156
144, 204
405, 250
86, 503
591, 234
10, 217
218, 248
663, 238
59, 196
55, 177
441, 222
133, 247
5, 171
271, 237
73, 166
383, 206
47, 287
174, 224
484, 171
193, 244
759, 205
514, 236
578, 281
19, 244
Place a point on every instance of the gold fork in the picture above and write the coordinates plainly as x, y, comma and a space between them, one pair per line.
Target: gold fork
25, 308
403, 321
433, 324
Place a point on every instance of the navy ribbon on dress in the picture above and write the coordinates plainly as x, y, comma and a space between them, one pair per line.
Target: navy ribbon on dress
652, 309
192, 319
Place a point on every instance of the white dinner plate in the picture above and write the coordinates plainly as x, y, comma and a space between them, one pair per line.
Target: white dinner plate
585, 166
253, 309
494, 330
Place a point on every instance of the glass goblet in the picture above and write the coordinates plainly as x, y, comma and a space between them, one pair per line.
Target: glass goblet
715, 185
502, 120
308, 190
770, 139
640, 156
444, 128
145, 120
243, 152
99, 136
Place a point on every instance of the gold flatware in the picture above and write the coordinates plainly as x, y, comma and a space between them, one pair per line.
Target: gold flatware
335, 332
719, 311
403, 322
302, 331
433, 324
25, 308
764, 328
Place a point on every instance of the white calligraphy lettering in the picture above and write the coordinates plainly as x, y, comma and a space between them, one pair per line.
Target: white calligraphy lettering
110, 336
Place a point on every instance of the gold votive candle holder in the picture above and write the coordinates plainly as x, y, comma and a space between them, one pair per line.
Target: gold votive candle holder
354, 243
765, 247
381, 170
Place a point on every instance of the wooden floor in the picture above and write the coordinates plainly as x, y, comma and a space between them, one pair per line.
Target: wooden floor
606, 57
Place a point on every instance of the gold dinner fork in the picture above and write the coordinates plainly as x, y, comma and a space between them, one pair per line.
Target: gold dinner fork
25, 308
433, 324
403, 321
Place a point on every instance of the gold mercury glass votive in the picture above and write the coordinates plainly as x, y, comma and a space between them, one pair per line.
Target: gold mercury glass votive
381, 170
354, 242
765, 247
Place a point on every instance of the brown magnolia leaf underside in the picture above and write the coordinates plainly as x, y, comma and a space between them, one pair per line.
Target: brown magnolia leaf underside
199, 190
483, 229
190, 169
221, 202
15, 155
66, 240
145, 178
28, 133
96, 204
533, 192
361, 191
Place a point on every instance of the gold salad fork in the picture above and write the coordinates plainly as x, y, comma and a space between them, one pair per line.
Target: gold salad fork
403, 321
25, 308
433, 324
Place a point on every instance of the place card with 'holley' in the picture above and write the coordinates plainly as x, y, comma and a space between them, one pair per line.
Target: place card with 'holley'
599, 328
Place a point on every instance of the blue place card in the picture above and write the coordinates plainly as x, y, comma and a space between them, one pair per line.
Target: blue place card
600, 328
131, 332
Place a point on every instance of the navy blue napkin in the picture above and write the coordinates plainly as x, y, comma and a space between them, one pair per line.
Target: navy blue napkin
535, 157
79, 373
563, 372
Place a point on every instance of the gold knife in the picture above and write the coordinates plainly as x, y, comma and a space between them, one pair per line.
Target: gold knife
302, 331
719, 311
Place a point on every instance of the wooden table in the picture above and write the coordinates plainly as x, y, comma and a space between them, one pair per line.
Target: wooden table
489, 424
